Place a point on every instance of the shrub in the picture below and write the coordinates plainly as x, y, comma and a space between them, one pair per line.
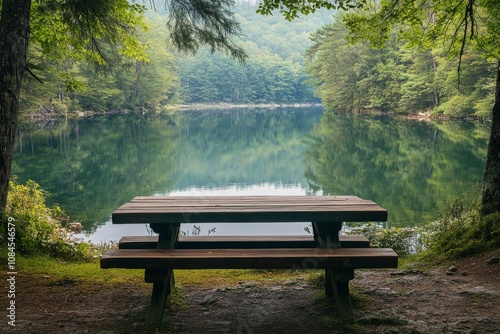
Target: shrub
462, 231
458, 232
38, 227
404, 241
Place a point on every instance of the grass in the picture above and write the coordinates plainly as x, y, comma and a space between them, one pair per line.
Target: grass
90, 272
85, 272
216, 277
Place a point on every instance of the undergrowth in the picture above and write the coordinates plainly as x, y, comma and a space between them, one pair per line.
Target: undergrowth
36, 228
403, 240
459, 231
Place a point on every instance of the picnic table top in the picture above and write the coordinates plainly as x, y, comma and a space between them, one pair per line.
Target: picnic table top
200, 209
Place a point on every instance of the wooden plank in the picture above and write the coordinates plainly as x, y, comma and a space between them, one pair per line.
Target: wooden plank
147, 217
248, 199
234, 201
160, 208
219, 203
171, 205
154, 217
197, 209
277, 258
251, 241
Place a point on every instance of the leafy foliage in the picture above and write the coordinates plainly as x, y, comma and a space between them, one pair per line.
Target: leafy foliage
208, 22
92, 27
96, 31
38, 227
73, 84
455, 24
269, 78
403, 240
292, 8
396, 77
461, 231
135, 85
273, 72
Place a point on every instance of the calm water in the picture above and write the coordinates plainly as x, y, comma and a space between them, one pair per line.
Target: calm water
92, 166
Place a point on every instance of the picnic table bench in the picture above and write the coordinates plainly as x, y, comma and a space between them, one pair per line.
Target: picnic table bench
160, 255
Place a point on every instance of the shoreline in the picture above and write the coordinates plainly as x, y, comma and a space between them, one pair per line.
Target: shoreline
46, 115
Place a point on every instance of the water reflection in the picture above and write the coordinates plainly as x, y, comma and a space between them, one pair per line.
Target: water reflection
92, 166
411, 168
241, 148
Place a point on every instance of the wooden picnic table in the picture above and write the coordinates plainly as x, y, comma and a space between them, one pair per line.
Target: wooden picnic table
326, 213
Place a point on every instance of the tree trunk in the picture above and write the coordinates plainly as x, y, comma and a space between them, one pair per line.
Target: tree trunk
491, 176
14, 39
435, 89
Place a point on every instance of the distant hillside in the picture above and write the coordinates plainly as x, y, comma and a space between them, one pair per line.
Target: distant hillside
277, 35
274, 71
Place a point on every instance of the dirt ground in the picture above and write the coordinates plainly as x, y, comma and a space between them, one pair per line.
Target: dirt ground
417, 300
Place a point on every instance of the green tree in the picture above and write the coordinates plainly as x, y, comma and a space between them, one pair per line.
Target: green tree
396, 77
457, 24
340, 72
97, 30
418, 90
65, 29
135, 84
475, 94
357, 78
273, 72
460, 25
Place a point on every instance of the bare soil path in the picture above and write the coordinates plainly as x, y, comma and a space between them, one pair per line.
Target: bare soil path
418, 300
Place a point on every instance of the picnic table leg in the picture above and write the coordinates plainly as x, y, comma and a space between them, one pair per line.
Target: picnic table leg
163, 280
327, 236
339, 281
161, 290
336, 281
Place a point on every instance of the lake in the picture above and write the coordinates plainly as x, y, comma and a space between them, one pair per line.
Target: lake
93, 165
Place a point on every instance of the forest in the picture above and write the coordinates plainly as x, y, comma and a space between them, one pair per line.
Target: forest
71, 58
397, 78
273, 73
308, 60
